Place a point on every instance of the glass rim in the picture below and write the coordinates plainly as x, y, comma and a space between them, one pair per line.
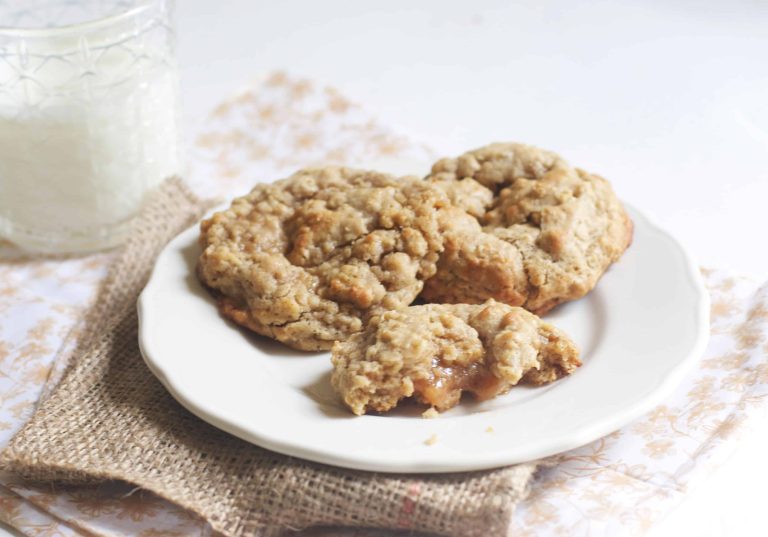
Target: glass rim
78, 27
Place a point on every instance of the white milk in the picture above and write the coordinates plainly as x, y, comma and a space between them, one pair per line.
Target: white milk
82, 140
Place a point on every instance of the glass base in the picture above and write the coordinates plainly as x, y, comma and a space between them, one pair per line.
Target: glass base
65, 241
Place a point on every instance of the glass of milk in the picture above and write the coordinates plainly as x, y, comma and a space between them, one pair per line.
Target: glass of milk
88, 118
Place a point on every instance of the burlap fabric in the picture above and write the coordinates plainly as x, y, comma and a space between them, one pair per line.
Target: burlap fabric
109, 418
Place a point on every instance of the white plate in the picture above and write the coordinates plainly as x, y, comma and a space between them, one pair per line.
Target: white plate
639, 332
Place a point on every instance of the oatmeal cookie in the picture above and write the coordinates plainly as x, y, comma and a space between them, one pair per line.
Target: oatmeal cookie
435, 352
308, 259
563, 226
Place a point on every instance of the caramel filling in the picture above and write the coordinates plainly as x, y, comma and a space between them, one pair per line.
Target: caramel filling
444, 387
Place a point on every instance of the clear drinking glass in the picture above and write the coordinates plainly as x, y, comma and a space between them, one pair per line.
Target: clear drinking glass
88, 118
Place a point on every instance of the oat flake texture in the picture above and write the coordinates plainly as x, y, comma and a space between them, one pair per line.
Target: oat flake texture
307, 260
552, 230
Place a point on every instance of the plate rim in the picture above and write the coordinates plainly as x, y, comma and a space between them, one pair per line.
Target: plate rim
573, 440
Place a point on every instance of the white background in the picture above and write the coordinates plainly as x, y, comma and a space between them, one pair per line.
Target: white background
667, 99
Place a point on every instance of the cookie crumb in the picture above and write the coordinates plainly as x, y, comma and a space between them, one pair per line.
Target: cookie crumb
431, 441
430, 413
489, 429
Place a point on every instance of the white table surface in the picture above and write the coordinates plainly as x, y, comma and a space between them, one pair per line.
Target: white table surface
669, 100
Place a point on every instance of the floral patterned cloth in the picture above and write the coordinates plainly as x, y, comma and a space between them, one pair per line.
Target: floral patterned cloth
618, 485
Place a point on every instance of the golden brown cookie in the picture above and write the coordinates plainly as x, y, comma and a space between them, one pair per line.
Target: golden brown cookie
307, 260
435, 352
553, 230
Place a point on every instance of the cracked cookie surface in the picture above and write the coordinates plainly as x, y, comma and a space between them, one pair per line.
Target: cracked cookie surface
552, 230
308, 259
434, 352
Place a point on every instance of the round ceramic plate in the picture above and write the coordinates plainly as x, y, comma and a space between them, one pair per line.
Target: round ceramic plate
639, 332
